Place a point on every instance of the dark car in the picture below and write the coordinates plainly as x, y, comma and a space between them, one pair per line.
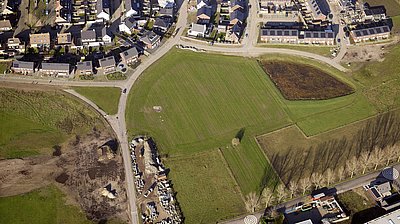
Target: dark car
124, 91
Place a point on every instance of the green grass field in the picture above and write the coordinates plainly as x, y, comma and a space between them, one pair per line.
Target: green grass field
206, 99
106, 98
32, 122
206, 193
43, 206
321, 50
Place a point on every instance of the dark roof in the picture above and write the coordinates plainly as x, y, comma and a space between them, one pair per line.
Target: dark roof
108, 61
130, 53
280, 32
375, 10
166, 12
23, 64
130, 23
238, 2
84, 65
237, 14
370, 31
150, 38
55, 66
161, 23
204, 10
88, 35
101, 31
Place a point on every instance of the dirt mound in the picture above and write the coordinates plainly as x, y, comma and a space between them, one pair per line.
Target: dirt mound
304, 82
62, 178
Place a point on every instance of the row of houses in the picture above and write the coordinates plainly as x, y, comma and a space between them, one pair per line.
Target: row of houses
107, 65
82, 11
295, 36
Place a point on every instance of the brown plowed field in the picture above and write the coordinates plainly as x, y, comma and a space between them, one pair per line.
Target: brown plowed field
304, 82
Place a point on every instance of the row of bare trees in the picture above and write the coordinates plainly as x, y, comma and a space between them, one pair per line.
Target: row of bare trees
368, 160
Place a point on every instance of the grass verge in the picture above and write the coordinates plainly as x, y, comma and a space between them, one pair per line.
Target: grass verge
106, 98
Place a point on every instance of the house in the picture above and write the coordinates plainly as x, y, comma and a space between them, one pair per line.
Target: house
390, 218
107, 65
237, 5
88, 37
203, 3
132, 9
130, 56
64, 39
128, 25
151, 40
376, 13
317, 9
161, 25
236, 17
204, 15
103, 11
279, 36
15, 44
326, 37
84, 68
23, 67
233, 34
275, 6
39, 40
5, 25
103, 35
62, 70
369, 34
197, 30
166, 12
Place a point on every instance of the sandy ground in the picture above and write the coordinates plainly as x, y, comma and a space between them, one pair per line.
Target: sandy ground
77, 171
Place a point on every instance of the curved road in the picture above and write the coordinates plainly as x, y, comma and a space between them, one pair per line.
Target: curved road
118, 123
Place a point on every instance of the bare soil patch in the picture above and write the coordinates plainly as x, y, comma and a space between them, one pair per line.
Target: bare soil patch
304, 82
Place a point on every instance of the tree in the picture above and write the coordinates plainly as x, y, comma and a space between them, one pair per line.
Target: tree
235, 142
251, 202
341, 172
389, 152
316, 180
304, 184
377, 157
365, 162
293, 187
281, 192
330, 176
351, 166
267, 197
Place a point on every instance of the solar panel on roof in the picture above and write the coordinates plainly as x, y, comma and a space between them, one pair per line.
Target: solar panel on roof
126, 53
308, 34
364, 32
385, 29
87, 63
272, 32
16, 65
330, 35
323, 35
294, 32
286, 32
371, 31
315, 35
279, 33
358, 33
378, 30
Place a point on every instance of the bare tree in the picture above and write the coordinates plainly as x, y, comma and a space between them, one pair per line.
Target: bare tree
293, 187
351, 166
267, 197
377, 157
364, 160
304, 184
281, 193
251, 202
317, 179
330, 176
389, 151
396, 152
341, 173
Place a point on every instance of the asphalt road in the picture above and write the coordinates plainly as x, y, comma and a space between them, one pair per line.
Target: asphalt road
118, 123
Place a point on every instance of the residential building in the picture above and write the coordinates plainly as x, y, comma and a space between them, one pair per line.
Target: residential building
62, 70
275, 6
237, 5
5, 25
103, 35
15, 44
166, 12
132, 9
390, 218
204, 15
39, 40
287, 36
64, 39
326, 37
107, 65
84, 68
370, 34
314, 11
130, 56
233, 35
23, 67
88, 37
161, 25
237, 16
197, 30
102, 10
375, 14
150, 39
128, 25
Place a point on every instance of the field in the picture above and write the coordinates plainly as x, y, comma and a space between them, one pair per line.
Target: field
300, 82
106, 98
32, 122
204, 102
203, 178
46, 205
